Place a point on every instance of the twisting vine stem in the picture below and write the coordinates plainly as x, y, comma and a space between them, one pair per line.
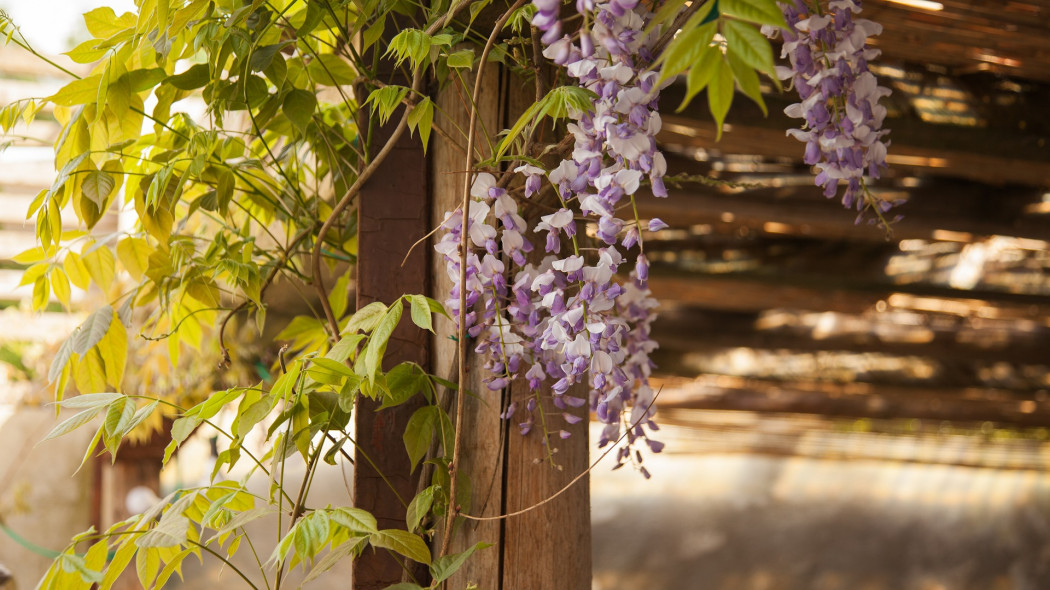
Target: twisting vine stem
461, 340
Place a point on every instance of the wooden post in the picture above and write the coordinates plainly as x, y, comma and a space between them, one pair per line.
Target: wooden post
393, 214
548, 547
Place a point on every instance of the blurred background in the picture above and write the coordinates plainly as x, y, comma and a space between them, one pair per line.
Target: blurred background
842, 409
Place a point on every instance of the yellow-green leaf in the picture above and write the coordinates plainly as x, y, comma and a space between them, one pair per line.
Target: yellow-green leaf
134, 255
402, 542
720, 93
749, 44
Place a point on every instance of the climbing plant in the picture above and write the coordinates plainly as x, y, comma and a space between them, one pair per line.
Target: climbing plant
237, 135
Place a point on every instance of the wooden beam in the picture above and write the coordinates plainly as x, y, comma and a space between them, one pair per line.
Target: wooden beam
705, 331
802, 210
1007, 38
754, 136
740, 292
854, 400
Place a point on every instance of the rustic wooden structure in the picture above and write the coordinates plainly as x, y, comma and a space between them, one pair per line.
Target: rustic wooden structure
775, 301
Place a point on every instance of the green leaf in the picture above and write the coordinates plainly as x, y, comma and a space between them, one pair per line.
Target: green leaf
92, 330
687, 50
444, 567
77, 92
87, 52
183, 427
421, 314
419, 433
333, 558
763, 12
749, 44
461, 59
91, 400
555, 104
419, 507
699, 75
366, 318
411, 44
147, 564
329, 372
669, 10
385, 100
118, 564
330, 70
70, 424
402, 542
169, 532
75, 564
376, 347
193, 78
145, 79
422, 116
374, 32
437, 307
97, 187
720, 93
299, 106
262, 56
118, 416
402, 382
305, 332
747, 79
345, 347
243, 518
354, 520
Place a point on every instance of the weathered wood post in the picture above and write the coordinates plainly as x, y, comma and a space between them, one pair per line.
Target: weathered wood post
546, 548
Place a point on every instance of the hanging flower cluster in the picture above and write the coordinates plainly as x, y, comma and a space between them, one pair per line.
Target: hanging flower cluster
839, 96
564, 320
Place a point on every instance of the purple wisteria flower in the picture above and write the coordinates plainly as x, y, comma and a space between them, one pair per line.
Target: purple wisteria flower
839, 97
563, 319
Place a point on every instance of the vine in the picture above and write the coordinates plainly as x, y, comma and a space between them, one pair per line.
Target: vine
256, 192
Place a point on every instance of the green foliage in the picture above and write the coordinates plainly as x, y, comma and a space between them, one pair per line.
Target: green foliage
228, 206
555, 105
719, 64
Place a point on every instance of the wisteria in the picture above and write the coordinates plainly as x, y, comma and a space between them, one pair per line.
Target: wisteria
843, 133
558, 318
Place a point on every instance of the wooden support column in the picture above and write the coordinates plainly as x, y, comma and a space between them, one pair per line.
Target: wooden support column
549, 547
393, 214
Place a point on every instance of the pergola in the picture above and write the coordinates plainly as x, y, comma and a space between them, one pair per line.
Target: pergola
783, 304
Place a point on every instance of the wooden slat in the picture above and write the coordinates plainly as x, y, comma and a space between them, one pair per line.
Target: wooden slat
802, 210
773, 142
1008, 38
704, 331
853, 400
753, 293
